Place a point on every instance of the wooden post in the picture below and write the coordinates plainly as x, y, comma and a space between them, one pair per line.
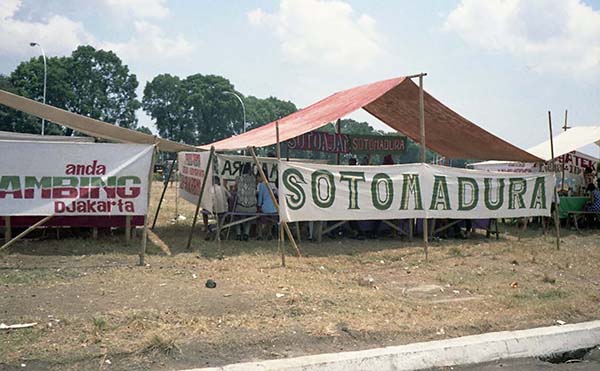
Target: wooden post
206, 175
556, 221
264, 179
423, 158
95, 233
280, 243
562, 181
339, 132
25, 232
7, 229
162, 195
145, 233
127, 228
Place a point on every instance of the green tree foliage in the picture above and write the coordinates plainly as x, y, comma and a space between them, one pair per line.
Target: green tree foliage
102, 87
196, 109
263, 111
90, 82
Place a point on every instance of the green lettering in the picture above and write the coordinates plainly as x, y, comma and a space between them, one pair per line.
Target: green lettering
292, 179
379, 202
352, 177
538, 199
325, 178
516, 189
467, 187
440, 194
411, 185
10, 185
487, 195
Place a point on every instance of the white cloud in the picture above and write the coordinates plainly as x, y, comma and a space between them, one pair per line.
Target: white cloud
140, 8
60, 35
57, 34
150, 42
548, 35
322, 32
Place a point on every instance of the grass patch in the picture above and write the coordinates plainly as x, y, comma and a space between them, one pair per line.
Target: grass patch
162, 344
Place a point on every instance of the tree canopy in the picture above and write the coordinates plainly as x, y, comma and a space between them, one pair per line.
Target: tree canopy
91, 82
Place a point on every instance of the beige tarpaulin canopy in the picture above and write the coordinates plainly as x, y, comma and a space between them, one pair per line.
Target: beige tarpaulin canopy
396, 103
88, 126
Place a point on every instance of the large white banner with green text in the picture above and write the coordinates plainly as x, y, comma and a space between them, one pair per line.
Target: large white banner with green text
330, 192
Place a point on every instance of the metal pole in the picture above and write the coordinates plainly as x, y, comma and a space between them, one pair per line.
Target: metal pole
556, 204
562, 181
206, 175
423, 159
243, 107
45, 70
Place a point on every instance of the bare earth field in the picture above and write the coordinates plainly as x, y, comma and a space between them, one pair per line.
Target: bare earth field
97, 310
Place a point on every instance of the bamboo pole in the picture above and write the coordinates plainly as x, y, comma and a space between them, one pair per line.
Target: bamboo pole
556, 221
423, 158
26, 232
280, 245
206, 175
338, 126
162, 195
7, 229
264, 179
145, 233
562, 181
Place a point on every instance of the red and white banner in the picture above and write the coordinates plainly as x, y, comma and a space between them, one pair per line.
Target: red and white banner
50, 178
192, 170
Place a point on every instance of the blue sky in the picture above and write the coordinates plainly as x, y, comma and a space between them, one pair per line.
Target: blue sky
500, 63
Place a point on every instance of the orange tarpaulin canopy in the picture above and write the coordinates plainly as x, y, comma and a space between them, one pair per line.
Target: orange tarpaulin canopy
396, 103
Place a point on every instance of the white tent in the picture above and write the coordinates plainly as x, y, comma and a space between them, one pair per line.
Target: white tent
568, 141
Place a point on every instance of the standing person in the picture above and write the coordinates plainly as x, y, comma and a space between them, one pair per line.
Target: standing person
265, 205
246, 199
221, 200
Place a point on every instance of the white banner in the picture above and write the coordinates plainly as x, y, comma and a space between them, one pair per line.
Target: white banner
46, 178
230, 167
192, 168
329, 192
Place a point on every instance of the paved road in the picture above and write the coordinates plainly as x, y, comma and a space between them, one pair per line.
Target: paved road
529, 364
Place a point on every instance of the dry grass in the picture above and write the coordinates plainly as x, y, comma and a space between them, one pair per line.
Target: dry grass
104, 307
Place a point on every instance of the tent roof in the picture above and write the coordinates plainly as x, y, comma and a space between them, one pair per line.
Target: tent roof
89, 126
8, 135
568, 141
396, 103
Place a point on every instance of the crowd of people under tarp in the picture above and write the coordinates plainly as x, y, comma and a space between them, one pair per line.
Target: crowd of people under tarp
592, 179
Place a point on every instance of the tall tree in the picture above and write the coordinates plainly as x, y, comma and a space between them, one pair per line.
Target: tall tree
90, 82
193, 110
102, 87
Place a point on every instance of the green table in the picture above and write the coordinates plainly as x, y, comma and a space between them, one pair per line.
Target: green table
571, 204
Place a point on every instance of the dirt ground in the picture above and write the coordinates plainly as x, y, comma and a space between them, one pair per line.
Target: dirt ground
96, 308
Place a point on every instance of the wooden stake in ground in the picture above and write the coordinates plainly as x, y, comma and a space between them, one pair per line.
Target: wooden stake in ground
162, 195
7, 229
264, 179
280, 245
423, 159
206, 173
145, 233
26, 232
556, 204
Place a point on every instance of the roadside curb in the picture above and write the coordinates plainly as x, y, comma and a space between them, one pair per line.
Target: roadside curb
458, 351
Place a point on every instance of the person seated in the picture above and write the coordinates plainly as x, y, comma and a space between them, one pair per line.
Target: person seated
245, 199
265, 205
594, 203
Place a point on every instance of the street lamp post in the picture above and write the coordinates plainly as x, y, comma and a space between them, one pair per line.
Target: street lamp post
242, 103
34, 44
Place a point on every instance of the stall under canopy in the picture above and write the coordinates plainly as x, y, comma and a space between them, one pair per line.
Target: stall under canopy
396, 103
